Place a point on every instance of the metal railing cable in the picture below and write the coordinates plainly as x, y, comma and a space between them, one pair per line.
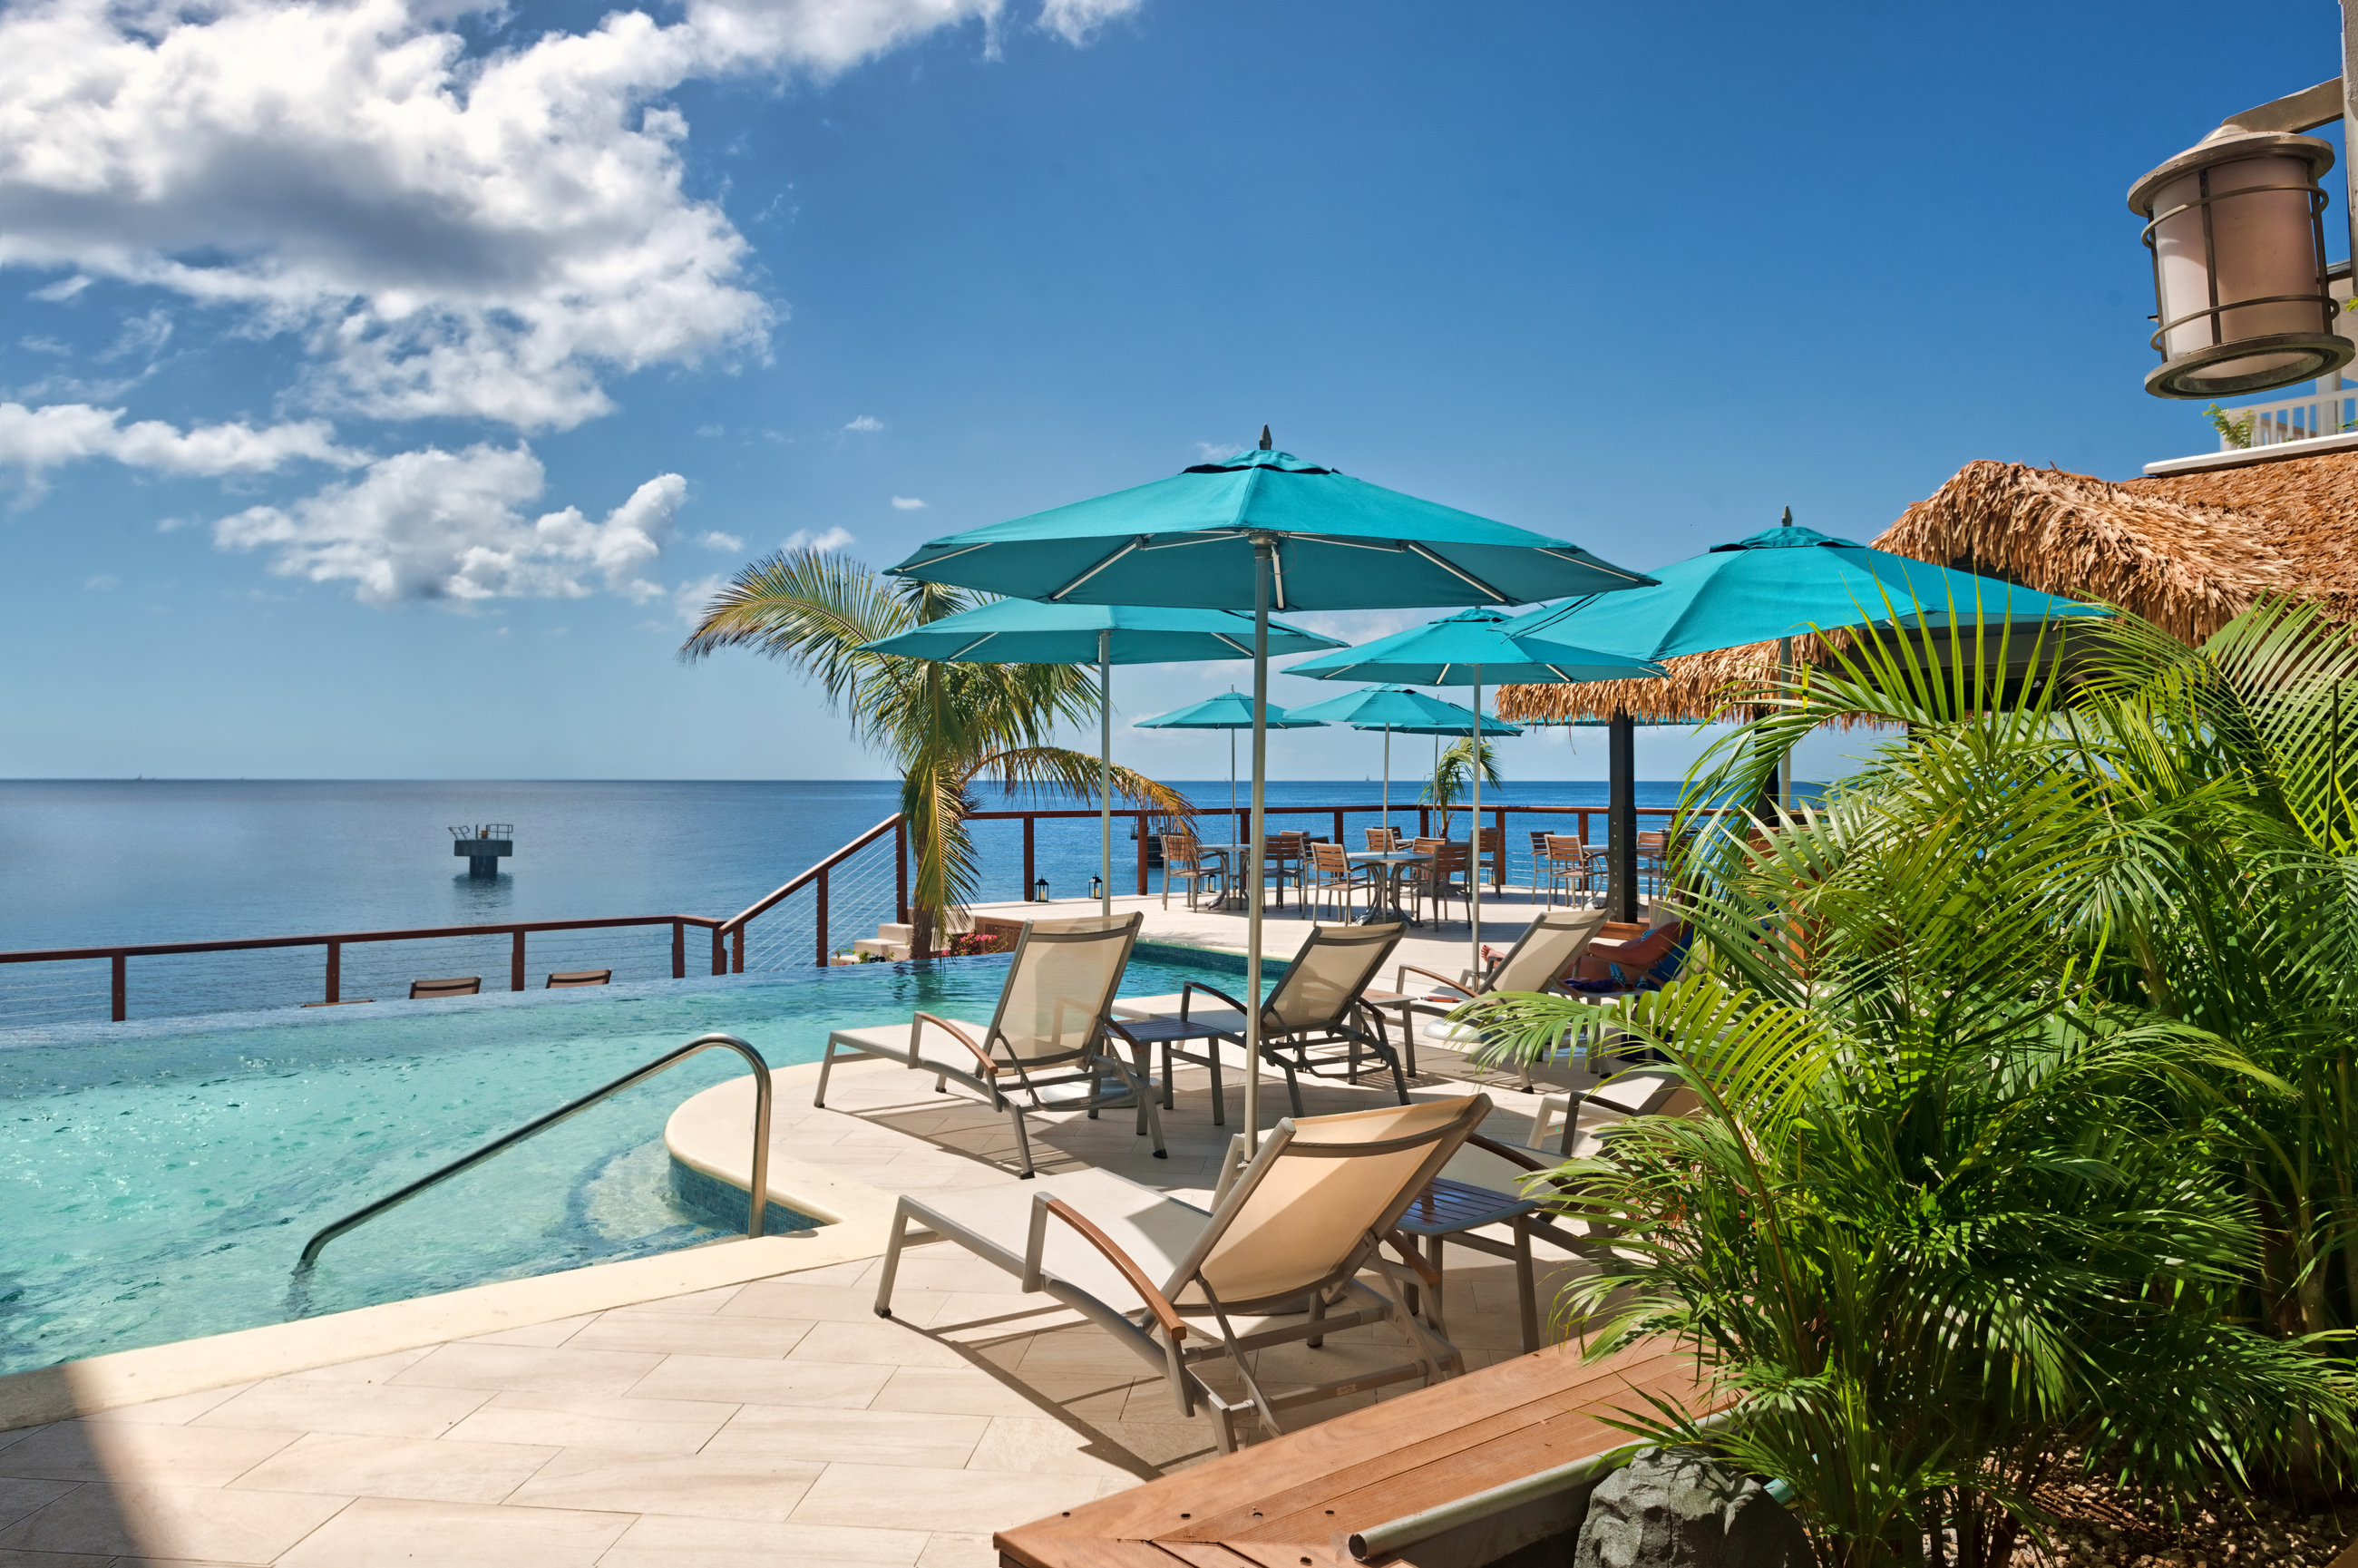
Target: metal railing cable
757, 1195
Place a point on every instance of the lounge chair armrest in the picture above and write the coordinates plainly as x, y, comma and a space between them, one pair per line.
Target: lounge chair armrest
918, 1021
1187, 991
1400, 981
1510, 1153
1046, 1204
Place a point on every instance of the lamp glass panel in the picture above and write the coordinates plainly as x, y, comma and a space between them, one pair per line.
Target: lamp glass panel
2264, 244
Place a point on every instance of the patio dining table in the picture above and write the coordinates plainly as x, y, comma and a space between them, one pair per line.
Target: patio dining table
1232, 893
1390, 863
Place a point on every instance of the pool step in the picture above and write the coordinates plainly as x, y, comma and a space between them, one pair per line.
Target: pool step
891, 941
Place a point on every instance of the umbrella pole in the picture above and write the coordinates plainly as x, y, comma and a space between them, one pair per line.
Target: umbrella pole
1263, 549
1474, 835
1387, 779
1104, 771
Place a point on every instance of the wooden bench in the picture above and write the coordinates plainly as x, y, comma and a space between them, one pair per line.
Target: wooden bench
1295, 1500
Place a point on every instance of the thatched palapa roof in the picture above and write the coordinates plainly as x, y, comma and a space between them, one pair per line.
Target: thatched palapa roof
2188, 552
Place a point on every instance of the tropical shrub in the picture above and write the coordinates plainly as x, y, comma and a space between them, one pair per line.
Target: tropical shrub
1978, 1192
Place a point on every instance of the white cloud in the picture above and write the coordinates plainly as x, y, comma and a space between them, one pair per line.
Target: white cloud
866, 425
804, 539
717, 540
37, 439
105, 582
432, 524
1077, 21
907, 504
688, 600
63, 289
482, 235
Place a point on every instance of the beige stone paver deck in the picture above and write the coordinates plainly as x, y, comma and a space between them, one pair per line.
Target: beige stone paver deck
774, 1422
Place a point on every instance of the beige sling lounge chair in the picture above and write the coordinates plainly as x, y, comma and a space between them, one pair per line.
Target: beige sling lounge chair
1537, 962
1314, 1013
1288, 1233
1049, 1032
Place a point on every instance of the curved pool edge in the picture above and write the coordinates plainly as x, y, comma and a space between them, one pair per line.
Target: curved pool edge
857, 1227
710, 1136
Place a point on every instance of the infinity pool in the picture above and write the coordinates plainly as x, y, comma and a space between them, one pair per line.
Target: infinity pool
160, 1178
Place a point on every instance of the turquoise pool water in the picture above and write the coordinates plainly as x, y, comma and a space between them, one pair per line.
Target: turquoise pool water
160, 1179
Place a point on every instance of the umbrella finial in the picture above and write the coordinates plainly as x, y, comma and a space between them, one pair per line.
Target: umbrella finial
1787, 523
1265, 444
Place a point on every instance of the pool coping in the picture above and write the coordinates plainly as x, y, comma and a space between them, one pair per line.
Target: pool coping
859, 1224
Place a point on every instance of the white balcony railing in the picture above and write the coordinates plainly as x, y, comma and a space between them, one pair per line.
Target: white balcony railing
2294, 419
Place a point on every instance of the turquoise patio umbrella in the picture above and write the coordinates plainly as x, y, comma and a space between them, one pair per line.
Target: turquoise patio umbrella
1466, 649
1259, 530
1391, 707
1230, 712
1786, 582
1026, 632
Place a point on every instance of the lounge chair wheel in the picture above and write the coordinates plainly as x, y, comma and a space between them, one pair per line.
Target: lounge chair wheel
1165, 1153
887, 1312
1029, 1174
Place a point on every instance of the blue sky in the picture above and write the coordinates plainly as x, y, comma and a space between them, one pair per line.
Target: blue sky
384, 380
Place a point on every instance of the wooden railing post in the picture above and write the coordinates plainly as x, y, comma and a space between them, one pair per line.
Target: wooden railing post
737, 951
821, 923
121, 963
516, 964
335, 972
1029, 868
1142, 854
1498, 870
901, 870
679, 949
1338, 828
719, 951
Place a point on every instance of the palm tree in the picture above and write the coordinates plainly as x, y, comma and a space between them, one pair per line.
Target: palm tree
1452, 776
945, 726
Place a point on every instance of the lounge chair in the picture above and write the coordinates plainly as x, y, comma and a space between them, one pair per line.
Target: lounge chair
1289, 1232
561, 979
1315, 1008
1539, 961
464, 985
1048, 1032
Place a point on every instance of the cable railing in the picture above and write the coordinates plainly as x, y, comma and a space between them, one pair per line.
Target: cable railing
812, 920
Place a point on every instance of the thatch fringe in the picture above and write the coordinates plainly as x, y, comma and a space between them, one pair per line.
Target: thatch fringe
2189, 553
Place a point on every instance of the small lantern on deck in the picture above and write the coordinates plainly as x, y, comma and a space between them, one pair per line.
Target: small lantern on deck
2235, 225
1097, 887
1040, 890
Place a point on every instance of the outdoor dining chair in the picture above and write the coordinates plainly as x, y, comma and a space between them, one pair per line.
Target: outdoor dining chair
561, 979
1383, 840
1440, 879
1316, 1011
462, 985
1577, 863
1653, 859
1185, 859
1290, 1232
1049, 1032
1332, 873
1282, 855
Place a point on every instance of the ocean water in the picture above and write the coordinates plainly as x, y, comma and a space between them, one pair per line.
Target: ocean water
160, 1179
86, 863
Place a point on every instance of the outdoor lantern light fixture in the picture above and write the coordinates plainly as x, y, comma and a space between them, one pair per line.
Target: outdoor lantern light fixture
2236, 227
1040, 890
1097, 887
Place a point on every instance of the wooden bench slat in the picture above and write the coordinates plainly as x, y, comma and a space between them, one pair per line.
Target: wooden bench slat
1379, 1461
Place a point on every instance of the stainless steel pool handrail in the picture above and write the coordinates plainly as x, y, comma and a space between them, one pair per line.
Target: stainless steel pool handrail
757, 1197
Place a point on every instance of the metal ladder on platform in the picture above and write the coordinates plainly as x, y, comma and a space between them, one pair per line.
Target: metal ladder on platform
757, 1196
